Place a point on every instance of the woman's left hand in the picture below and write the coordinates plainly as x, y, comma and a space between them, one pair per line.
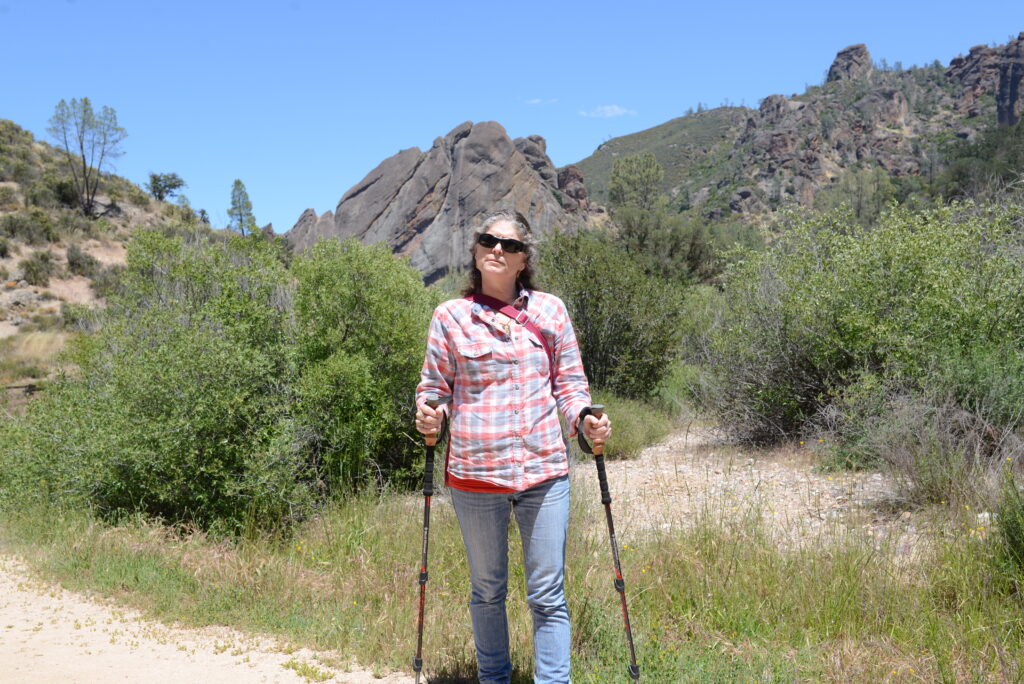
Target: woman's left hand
597, 429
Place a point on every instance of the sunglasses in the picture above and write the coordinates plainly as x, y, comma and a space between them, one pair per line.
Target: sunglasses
510, 245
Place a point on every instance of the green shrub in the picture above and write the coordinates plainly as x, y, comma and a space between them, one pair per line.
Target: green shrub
362, 318
38, 268
138, 197
81, 263
178, 409
627, 322
829, 301
63, 189
107, 280
33, 226
5, 248
8, 197
79, 317
73, 222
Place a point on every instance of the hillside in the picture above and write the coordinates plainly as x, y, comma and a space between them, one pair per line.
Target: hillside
865, 117
55, 263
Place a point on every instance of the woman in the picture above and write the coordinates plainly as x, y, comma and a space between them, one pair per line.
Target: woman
508, 357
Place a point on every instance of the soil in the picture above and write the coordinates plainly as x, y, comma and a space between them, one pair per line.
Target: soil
48, 634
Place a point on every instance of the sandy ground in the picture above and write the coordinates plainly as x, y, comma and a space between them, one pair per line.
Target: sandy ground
48, 634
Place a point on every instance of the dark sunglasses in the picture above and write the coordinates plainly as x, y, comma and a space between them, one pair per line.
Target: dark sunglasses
510, 245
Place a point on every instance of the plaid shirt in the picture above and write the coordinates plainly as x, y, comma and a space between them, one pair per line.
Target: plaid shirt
503, 421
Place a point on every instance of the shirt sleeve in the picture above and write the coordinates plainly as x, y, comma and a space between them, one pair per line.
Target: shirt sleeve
571, 390
438, 373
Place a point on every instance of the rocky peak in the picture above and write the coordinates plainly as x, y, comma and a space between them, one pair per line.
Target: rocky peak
425, 205
851, 63
994, 70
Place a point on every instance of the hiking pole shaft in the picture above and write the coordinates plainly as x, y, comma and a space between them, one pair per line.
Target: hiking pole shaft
428, 491
620, 584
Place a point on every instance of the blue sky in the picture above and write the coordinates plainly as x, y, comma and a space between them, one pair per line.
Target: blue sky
301, 98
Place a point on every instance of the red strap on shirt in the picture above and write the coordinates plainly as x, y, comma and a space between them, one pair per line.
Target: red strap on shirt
521, 318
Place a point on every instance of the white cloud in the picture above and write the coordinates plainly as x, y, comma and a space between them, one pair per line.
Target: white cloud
536, 100
540, 100
607, 112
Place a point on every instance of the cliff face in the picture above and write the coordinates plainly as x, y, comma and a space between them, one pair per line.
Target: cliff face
427, 204
793, 147
994, 71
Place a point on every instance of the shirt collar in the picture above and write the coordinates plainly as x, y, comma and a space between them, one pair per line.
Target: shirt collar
519, 303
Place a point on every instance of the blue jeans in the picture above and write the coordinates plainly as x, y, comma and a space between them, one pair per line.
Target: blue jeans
542, 513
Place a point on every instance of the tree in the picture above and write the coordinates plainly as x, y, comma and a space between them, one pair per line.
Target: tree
635, 182
89, 141
164, 185
240, 216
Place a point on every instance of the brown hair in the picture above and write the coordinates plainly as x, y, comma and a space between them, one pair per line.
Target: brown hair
474, 281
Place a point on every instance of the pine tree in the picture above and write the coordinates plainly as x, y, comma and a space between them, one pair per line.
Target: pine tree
240, 216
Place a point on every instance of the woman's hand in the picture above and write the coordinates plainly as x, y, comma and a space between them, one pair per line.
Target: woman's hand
428, 420
597, 429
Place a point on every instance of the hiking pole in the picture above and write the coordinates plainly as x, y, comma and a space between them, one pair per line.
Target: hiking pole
433, 401
597, 410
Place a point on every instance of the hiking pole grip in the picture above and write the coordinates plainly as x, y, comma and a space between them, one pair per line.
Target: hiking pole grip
433, 401
597, 410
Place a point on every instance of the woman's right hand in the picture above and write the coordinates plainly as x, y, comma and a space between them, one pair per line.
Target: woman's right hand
428, 420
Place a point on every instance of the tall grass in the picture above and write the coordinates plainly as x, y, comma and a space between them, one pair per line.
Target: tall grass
720, 599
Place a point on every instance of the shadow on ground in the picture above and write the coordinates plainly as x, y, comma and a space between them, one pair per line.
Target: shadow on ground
465, 673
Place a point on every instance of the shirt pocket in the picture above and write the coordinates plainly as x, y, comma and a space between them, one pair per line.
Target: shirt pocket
477, 363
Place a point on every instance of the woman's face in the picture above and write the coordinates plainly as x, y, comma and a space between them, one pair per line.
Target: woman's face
495, 263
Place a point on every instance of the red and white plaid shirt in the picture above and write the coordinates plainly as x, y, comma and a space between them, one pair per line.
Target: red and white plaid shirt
504, 428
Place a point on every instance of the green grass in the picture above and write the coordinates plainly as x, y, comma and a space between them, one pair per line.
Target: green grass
720, 601
635, 424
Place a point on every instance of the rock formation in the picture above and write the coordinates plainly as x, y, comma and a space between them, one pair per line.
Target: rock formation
851, 63
426, 204
997, 71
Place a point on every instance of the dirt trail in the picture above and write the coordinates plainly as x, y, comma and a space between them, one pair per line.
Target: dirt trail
48, 634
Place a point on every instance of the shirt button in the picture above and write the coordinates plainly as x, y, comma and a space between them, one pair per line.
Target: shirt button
515, 360
516, 411
515, 386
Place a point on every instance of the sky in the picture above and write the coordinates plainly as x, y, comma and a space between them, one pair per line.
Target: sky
300, 99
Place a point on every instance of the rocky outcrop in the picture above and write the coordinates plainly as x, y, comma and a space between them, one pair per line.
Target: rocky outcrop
997, 71
575, 197
425, 205
851, 63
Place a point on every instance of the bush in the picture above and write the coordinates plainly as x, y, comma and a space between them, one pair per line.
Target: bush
178, 408
5, 248
362, 318
81, 263
107, 280
73, 222
79, 317
38, 268
627, 322
34, 227
8, 198
828, 302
